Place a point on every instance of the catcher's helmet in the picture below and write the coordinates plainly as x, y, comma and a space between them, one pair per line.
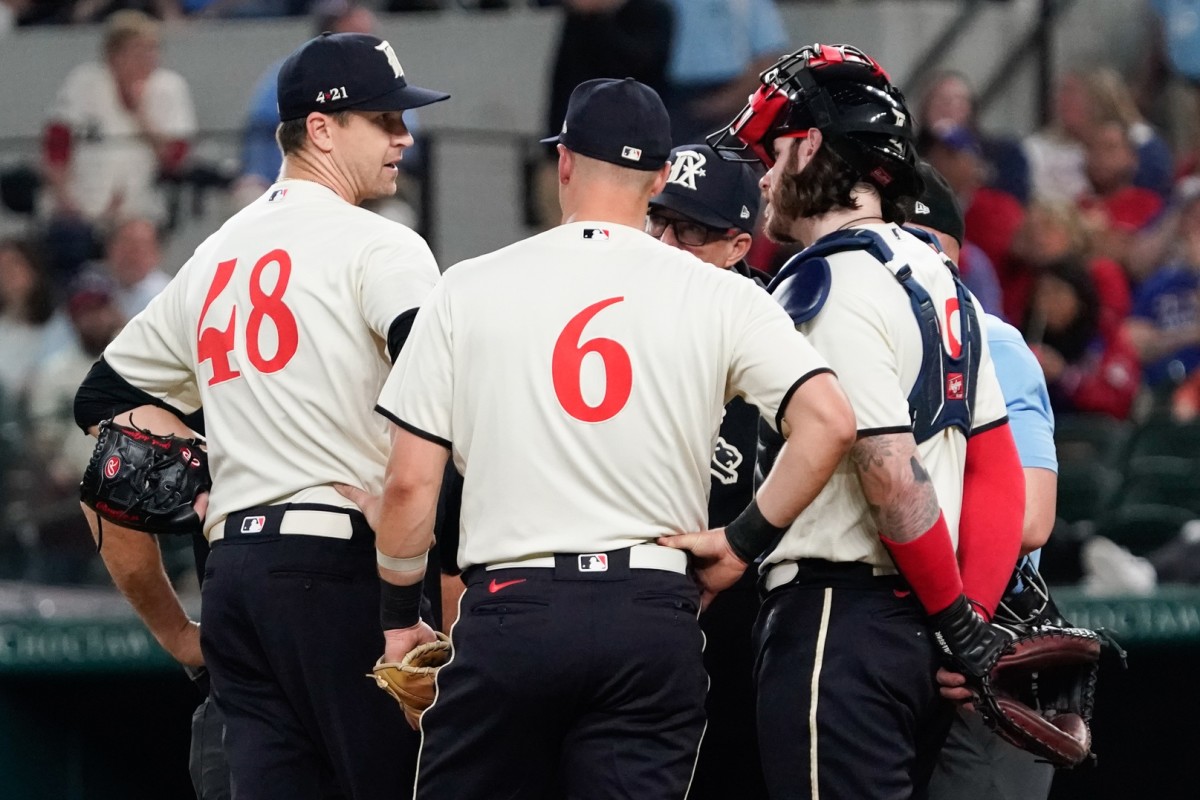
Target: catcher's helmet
844, 93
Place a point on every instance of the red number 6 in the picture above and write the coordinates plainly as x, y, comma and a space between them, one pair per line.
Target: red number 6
567, 362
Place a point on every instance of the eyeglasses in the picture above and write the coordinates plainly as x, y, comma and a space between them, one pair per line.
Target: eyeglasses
693, 234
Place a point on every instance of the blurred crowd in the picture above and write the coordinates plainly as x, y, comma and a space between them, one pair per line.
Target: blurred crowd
1085, 234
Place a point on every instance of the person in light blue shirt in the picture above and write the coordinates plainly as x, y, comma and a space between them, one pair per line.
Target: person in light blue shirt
718, 50
975, 762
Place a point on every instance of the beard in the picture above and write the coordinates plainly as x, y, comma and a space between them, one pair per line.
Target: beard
777, 227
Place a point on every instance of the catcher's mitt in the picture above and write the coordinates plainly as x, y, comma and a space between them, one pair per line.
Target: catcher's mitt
412, 681
145, 481
1041, 692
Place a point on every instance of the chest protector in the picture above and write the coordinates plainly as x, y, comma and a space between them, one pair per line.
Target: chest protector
944, 393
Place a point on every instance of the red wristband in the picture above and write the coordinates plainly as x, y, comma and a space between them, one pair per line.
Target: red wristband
929, 565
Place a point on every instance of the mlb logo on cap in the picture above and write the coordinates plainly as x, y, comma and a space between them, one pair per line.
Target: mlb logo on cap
253, 524
622, 122
593, 562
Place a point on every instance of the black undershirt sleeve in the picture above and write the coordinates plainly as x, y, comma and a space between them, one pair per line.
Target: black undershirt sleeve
398, 332
104, 394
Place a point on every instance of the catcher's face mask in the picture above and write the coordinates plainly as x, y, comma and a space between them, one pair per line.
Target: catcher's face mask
791, 100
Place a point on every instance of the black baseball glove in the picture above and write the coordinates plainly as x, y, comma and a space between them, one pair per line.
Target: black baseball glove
145, 481
1041, 692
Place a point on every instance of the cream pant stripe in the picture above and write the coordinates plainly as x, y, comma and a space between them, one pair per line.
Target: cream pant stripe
818, 661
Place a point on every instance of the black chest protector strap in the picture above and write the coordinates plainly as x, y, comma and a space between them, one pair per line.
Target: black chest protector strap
944, 393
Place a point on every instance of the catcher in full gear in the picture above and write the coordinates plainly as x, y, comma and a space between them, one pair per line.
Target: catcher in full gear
894, 569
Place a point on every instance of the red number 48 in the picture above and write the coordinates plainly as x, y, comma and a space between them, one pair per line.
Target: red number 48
214, 344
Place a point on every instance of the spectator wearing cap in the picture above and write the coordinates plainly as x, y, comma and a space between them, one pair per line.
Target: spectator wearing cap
951, 101
709, 208
939, 212
992, 216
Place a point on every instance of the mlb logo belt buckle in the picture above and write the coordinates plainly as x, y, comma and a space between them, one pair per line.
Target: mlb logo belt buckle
611, 566
253, 524
593, 562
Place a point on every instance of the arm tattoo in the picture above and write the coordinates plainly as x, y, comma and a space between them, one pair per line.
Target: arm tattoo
870, 453
896, 486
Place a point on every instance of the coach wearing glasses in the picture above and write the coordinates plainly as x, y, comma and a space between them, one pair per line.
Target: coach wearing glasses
708, 208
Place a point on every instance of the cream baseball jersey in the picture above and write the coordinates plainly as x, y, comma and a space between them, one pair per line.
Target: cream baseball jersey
869, 334
278, 327
579, 378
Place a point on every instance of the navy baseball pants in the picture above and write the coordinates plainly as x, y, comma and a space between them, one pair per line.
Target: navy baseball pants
289, 628
584, 686
848, 706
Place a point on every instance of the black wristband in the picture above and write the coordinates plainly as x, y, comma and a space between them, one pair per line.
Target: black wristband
751, 535
399, 606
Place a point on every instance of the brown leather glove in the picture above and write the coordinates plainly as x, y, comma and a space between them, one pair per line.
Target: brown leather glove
412, 681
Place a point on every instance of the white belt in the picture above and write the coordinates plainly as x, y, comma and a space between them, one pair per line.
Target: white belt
785, 571
309, 522
641, 556
302, 522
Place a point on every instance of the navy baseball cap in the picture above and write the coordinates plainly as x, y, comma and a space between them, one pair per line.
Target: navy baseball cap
937, 207
708, 189
623, 122
346, 71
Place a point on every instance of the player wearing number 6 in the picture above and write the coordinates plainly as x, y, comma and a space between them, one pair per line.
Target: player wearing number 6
281, 326
577, 379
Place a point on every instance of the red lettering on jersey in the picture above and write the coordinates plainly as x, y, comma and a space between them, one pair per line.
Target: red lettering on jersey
567, 362
215, 344
952, 317
271, 305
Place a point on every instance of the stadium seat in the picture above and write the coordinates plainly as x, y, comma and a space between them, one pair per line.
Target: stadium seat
1164, 480
1161, 436
1144, 527
1090, 437
1086, 489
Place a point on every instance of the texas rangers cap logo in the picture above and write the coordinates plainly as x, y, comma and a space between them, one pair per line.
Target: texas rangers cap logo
593, 562
687, 166
112, 466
